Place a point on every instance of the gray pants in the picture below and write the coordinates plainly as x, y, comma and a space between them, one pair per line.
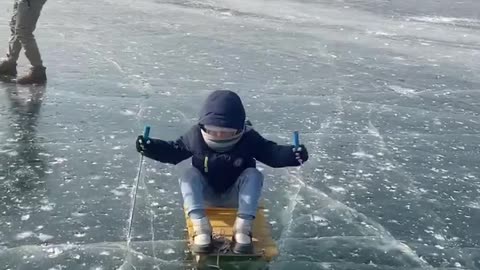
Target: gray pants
22, 25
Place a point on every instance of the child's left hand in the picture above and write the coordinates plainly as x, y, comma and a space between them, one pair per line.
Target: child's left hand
301, 153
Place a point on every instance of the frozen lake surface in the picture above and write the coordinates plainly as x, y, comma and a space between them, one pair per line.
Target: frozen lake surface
386, 95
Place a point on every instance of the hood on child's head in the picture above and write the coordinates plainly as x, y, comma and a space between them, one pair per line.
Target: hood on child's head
223, 108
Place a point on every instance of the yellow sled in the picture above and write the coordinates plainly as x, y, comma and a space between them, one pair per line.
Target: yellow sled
222, 257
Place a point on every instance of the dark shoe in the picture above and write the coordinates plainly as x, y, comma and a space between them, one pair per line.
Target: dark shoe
8, 68
36, 75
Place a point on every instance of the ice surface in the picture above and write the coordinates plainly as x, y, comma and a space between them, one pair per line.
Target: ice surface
386, 95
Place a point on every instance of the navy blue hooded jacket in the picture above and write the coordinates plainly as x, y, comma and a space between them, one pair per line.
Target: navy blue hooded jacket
222, 108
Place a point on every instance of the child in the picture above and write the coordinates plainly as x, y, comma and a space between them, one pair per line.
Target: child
224, 151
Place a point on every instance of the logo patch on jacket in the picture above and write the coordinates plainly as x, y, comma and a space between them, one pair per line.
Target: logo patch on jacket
238, 162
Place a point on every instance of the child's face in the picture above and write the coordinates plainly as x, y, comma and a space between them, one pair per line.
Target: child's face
220, 133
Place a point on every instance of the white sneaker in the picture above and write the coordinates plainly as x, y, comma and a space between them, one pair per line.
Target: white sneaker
202, 238
243, 236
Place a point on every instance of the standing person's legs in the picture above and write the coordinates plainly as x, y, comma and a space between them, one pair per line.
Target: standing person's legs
28, 12
8, 66
27, 17
14, 45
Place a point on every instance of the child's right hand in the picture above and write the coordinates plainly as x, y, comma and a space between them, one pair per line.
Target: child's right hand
141, 144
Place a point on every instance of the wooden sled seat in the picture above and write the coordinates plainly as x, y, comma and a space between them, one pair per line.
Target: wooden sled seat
222, 219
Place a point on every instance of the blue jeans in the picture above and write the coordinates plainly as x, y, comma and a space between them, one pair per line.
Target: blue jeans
244, 194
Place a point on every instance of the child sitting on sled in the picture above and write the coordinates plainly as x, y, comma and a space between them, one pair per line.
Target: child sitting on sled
224, 151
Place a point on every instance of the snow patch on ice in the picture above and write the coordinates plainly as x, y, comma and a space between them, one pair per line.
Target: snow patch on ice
327, 176
474, 205
403, 91
12, 153
47, 207
24, 235
169, 251
380, 33
362, 155
28, 234
127, 112
321, 221
53, 252
117, 193
439, 19
44, 237
337, 189
59, 161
